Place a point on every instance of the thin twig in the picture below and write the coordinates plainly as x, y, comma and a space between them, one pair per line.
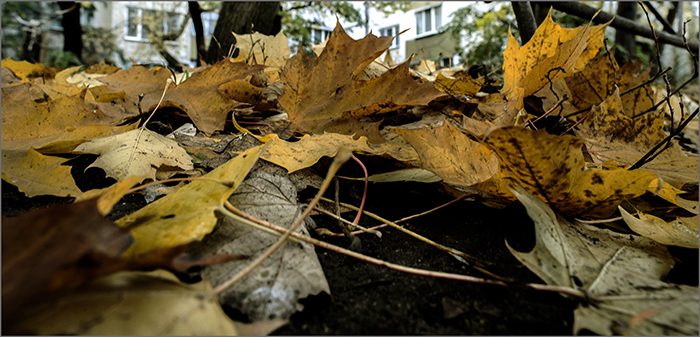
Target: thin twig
463, 257
131, 158
362, 229
658, 61
249, 220
419, 214
648, 157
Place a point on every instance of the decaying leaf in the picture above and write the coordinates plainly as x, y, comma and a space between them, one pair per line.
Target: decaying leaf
552, 52
36, 174
26, 70
680, 232
66, 120
621, 273
36, 245
130, 303
611, 134
552, 168
187, 214
273, 289
151, 152
309, 149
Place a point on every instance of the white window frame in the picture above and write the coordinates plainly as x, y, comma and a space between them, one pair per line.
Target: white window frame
391, 31
139, 25
324, 32
434, 17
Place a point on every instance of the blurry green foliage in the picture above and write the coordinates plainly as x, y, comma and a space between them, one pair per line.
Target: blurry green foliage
298, 29
482, 36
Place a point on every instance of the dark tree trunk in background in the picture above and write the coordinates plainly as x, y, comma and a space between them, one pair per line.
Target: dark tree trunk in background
237, 17
72, 31
540, 9
196, 13
525, 19
626, 40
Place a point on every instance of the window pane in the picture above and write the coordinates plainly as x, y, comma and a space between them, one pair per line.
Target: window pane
132, 22
438, 17
419, 23
173, 21
428, 23
148, 17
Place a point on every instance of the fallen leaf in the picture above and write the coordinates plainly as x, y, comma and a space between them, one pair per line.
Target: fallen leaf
304, 153
36, 245
130, 303
551, 52
594, 83
553, 169
620, 273
151, 152
187, 214
449, 153
36, 174
611, 134
25, 70
109, 196
681, 232
198, 96
672, 195
320, 89
455, 86
265, 49
273, 289
60, 123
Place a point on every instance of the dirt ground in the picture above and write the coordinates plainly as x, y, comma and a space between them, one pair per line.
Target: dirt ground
371, 299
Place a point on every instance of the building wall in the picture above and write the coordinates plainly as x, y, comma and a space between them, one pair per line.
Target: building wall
140, 50
433, 43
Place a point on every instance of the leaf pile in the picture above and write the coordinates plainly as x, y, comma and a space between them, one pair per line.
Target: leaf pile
433, 124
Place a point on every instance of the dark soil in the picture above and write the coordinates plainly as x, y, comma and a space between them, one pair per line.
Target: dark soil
371, 299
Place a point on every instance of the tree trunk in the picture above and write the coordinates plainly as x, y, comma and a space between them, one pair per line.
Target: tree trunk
196, 13
238, 17
540, 9
525, 19
72, 31
626, 40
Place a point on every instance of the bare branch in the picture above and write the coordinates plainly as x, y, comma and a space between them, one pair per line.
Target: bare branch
587, 12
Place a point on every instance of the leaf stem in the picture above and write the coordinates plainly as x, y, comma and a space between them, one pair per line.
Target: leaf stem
364, 194
250, 220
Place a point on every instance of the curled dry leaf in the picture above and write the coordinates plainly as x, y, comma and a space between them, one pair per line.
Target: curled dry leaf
681, 232
621, 273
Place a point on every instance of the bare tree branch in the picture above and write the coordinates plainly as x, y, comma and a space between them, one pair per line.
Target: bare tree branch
587, 12
667, 26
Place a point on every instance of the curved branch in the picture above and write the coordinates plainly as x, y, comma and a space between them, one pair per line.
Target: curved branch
629, 26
